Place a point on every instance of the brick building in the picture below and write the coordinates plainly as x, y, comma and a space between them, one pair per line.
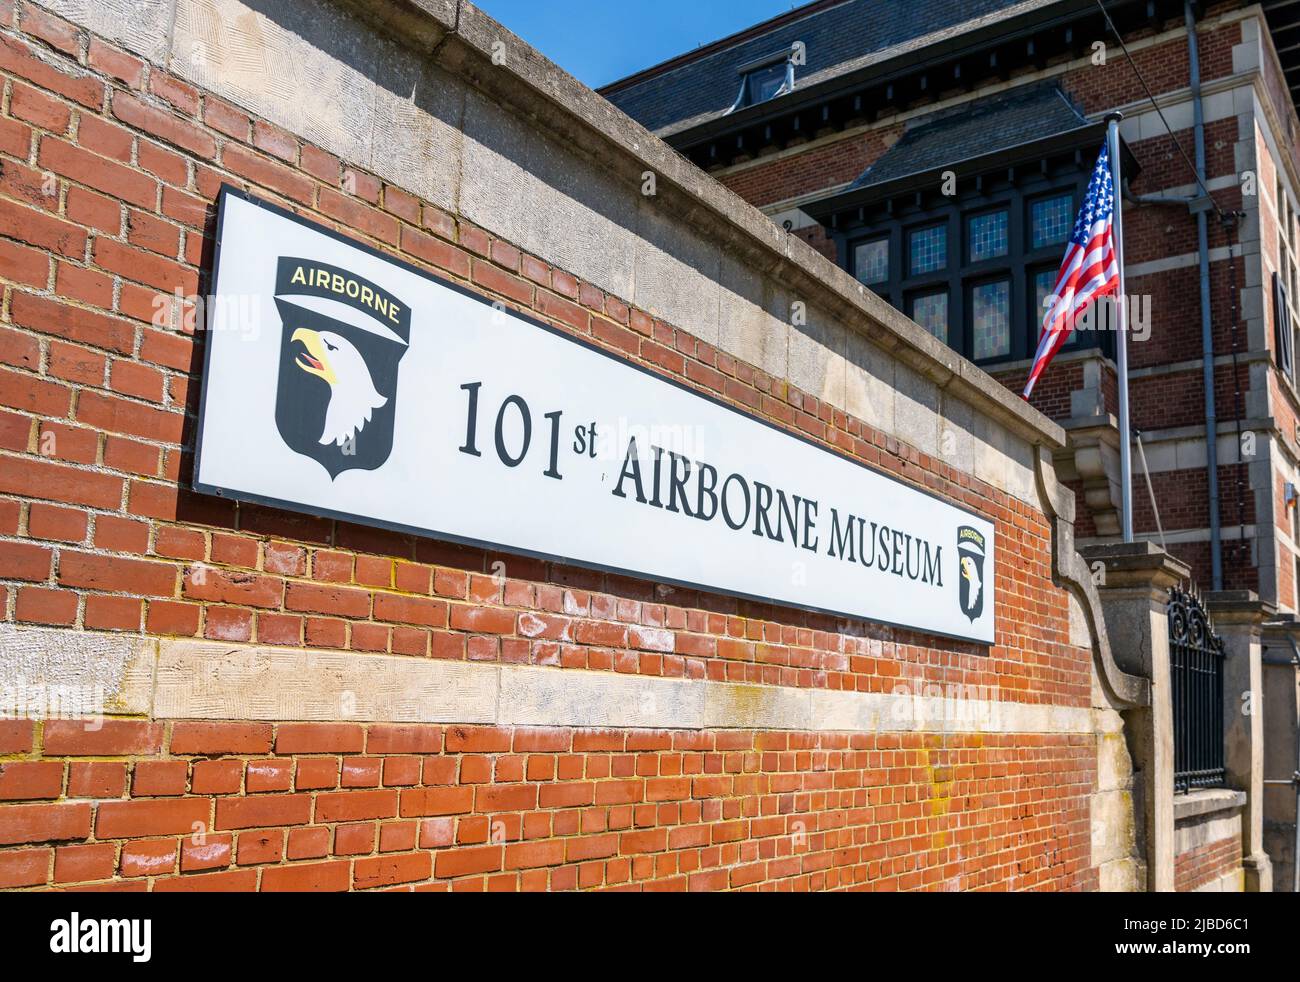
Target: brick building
204, 691
940, 153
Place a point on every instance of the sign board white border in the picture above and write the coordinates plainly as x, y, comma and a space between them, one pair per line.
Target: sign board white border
244, 267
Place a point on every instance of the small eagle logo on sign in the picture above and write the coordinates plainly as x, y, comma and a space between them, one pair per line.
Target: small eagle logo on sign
342, 341
970, 558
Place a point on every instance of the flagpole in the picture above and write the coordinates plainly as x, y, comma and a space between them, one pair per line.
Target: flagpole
1121, 308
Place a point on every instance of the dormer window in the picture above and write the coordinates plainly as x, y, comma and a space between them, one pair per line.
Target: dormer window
763, 83
765, 79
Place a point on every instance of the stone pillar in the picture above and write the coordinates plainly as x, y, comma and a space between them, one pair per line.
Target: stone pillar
1238, 617
1281, 671
1134, 582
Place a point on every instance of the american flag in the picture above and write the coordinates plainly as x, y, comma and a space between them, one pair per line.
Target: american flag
1090, 268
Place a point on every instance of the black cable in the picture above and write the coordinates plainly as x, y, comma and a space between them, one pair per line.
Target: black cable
1229, 220
1152, 99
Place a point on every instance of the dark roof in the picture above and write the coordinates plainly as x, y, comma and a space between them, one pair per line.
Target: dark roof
838, 37
975, 129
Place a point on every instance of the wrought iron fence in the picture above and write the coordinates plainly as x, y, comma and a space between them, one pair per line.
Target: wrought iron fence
1196, 673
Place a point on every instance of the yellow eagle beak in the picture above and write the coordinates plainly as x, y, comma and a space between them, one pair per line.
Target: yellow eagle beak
314, 361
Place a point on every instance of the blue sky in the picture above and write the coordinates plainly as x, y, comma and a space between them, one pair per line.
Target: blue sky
599, 41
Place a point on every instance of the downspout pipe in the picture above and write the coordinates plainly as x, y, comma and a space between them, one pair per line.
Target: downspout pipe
1207, 334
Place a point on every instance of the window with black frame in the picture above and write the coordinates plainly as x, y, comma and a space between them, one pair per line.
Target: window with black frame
763, 83
764, 80
976, 273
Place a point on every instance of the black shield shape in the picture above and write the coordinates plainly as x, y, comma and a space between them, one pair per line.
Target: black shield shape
336, 398
970, 572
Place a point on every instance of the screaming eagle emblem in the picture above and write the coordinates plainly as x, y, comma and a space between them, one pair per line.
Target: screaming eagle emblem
970, 557
342, 341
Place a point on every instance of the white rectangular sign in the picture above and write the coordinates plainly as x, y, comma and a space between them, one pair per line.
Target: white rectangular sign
341, 382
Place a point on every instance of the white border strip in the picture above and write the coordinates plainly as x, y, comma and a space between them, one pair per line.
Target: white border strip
172, 679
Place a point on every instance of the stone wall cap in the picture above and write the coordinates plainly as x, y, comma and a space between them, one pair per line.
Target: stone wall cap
1137, 562
1233, 597
1281, 635
1075, 424
1207, 801
1283, 622
1105, 550
1228, 606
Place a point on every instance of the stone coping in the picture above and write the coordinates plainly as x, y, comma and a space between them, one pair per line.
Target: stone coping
1207, 801
1137, 564
88, 674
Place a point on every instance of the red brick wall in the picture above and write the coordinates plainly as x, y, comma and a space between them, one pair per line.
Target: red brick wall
813, 169
1051, 395
303, 806
1206, 864
1165, 66
98, 531
1239, 569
